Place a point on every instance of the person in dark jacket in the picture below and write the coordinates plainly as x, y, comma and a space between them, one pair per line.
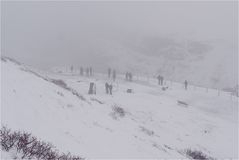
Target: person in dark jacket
110, 89
87, 72
159, 80
130, 77
186, 84
81, 71
107, 88
92, 88
71, 68
114, 75
126, 76
109, 72
91, 71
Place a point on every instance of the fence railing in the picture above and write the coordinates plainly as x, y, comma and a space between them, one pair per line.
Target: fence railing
153, 81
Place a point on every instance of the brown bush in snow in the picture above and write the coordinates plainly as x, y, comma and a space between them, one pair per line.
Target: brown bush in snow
30, 147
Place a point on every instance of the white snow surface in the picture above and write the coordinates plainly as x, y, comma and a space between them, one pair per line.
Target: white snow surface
154, 125
11, 154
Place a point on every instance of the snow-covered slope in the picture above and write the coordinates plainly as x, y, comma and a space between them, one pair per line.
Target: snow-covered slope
152, 124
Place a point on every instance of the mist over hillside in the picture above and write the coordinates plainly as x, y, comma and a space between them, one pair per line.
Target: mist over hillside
210, 63
204, 63
175, 39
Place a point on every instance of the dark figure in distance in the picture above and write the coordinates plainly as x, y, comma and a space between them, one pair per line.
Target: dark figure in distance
91, 71
186, 84
109, 72
114, 75
108, 88
126, 76
130, 77
81, 71
159, 79
87, 72
92, 89
71, 68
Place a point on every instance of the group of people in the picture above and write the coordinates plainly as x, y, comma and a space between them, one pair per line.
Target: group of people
161, 79
128, 76
113, 74
108, 88
88, 71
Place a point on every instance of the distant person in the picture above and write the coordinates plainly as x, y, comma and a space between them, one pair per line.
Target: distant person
186, 84
109, 72
92, 88
114, 75
159, 80
110, 89
91, 71
81, 71
107, 88
87, 71
71, 68
130, 77
127, 76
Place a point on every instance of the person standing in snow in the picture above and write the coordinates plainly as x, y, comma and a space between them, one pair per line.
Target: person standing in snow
71, 69
130, 77
107, 88
159, 79
92, 88
186, 84
109, 72
162, 80
81, 71
87, 72
91, 71
126, 76
110, 89
114, 75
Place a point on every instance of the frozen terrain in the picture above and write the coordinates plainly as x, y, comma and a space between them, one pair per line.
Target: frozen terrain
148, 123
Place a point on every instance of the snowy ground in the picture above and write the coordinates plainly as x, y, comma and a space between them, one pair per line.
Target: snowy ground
154, 125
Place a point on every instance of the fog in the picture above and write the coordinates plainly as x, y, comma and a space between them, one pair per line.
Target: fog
49, 34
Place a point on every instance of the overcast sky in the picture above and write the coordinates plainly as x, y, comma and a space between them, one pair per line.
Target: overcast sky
49, 33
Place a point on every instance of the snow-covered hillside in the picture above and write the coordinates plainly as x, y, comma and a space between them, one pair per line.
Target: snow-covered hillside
150, 123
